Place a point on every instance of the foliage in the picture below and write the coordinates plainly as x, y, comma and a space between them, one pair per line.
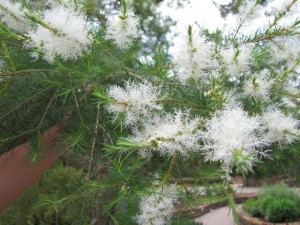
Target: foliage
251, 206
138, 118
282, 210
285, 158
30, 208
279, 190
277, 204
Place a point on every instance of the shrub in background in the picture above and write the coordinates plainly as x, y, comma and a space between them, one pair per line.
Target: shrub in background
282, 210
277, 203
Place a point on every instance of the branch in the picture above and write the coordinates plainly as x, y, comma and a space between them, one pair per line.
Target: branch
94, 140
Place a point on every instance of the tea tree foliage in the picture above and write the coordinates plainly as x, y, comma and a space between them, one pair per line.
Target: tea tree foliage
140, 118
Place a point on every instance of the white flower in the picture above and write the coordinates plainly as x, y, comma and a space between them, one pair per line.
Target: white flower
288, 102
14, 16
193, 56
259, 85
168, 134
236, 61
280, 128
123, 30
290, 87
135, 100
249, 11
286, 51
232, 130
68, 34
232, 98
157, 208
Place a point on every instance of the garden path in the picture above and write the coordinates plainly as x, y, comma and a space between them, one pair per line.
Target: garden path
222, 216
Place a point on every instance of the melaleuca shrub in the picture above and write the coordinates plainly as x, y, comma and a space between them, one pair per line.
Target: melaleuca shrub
136, 116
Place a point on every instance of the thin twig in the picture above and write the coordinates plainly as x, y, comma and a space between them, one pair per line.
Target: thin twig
77, 106
20, 104
94, 140
170, 167
47, 109
22, 72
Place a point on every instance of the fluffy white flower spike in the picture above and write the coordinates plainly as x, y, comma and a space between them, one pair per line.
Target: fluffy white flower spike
14, 16
65, 33
193, 57
259, 85
122, 29
285, 51
236, 61
280, 128
157, 208
230, 131
135, 100
248, 11
168, 134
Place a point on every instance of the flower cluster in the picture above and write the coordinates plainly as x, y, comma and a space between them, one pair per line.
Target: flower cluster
14, 16
168, 134
248, 11
259, 85
123, 29
285, 51
232, 130
236, 60
157, 208
222, 97
62, 32
280, 128
194, 57
135, 100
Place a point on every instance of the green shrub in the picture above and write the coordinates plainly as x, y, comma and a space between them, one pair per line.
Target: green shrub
28, 209
280, 190
252, 207
264, 202
277, 203
282, 210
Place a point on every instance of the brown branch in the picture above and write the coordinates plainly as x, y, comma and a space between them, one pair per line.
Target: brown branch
94, 140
